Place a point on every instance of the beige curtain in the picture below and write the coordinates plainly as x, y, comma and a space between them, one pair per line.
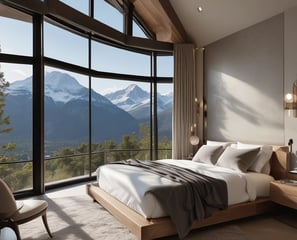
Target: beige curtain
184, 100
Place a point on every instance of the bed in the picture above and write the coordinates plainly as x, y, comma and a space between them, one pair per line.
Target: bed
248, 191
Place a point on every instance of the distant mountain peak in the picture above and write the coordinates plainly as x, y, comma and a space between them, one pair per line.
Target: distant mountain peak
131, 87
66, 107
61, 81
136, 101
60, 87
128, 98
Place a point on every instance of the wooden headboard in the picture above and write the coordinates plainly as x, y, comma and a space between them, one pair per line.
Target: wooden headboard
279, 162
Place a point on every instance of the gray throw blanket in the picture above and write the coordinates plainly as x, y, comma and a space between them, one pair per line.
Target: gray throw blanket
195, 198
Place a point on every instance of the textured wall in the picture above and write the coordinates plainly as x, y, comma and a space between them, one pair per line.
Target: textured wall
244, 85
290, 73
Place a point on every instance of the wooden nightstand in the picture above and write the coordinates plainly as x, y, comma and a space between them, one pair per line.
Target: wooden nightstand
284, 192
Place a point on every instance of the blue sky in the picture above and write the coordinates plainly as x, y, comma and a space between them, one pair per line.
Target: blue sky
68, 47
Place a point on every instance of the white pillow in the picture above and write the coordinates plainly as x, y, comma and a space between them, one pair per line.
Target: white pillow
208, 154
237, 159
217, 143
263, 157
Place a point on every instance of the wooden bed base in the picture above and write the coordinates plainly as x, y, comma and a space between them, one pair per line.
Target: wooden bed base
144, 228
161, 227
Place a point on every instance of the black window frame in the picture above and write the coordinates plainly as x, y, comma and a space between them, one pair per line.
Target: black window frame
38, 10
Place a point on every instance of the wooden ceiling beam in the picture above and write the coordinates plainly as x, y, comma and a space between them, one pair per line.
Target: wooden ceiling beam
161, 18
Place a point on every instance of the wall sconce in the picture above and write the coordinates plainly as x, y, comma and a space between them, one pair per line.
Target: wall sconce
291, 102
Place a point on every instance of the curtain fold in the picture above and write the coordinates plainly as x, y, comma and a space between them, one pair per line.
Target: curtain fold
185, 92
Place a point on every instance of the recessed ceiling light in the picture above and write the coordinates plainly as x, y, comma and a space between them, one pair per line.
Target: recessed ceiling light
199, 9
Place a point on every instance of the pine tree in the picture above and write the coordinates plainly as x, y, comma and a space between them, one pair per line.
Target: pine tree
4, 120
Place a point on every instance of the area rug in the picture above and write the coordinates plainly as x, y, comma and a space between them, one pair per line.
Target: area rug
79, 218
73, 218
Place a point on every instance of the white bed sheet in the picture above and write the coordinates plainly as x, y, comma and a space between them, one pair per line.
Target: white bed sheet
129, 184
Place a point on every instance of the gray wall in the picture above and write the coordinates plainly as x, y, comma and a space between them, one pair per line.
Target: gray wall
244, 85
290, 74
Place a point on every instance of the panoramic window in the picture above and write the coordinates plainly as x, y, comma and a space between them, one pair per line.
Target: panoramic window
71, 48
93, 114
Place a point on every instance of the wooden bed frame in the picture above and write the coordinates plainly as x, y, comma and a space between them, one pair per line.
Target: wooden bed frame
161, 227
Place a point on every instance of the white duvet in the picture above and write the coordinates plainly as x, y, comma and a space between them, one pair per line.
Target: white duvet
129, 184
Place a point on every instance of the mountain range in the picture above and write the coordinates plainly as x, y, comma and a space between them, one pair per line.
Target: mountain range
136, 101
66, 110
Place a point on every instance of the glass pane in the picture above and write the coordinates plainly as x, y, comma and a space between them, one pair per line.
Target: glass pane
120, 120
109, 15
165, 66
66, 124
82, 6
16, 121
13, 24
165, 102
110, 59
65, 46
137, 31
17, 175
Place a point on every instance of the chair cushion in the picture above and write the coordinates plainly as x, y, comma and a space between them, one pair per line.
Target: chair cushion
30, 208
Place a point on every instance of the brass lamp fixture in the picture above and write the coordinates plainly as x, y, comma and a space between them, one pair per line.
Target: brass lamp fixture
291, 101
194, 139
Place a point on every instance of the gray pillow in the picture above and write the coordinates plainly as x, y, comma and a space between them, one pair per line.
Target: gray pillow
208, 154
237, 159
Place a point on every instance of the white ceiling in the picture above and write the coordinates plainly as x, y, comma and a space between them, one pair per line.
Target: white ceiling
221, 18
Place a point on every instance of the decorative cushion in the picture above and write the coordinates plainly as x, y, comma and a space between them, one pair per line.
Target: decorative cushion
208, 154
262, 159
237, 159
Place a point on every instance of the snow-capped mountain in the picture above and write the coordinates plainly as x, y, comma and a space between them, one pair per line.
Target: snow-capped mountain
66, 112
166, 98
129, 98
136, 101
60, 87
